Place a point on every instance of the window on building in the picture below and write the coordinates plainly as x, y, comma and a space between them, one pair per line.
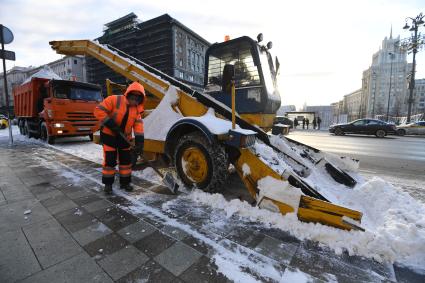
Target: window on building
191, 78
75, 62
181, 75
181, 62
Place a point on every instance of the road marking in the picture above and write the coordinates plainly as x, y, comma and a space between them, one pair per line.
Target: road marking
367, 171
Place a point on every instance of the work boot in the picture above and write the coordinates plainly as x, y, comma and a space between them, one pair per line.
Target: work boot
108, 189
127, 187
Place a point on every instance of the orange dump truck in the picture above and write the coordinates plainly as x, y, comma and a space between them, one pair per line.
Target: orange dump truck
49, 109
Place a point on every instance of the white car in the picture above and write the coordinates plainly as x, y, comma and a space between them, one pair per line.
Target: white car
417, 128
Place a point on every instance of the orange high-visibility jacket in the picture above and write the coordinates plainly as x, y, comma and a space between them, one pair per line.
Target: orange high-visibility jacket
115, 106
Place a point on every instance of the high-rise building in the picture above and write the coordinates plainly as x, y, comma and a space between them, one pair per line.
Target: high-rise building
162, 42
384, 83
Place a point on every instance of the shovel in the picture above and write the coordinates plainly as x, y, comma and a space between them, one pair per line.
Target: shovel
167, 179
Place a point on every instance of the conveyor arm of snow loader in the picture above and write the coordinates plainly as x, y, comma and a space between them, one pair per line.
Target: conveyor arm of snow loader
193, 103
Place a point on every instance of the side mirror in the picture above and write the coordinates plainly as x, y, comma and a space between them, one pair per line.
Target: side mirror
228, 76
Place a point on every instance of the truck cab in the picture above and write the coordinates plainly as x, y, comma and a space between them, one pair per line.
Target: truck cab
251, 66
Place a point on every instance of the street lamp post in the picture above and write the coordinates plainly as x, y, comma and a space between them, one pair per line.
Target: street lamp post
389, 91
413, 45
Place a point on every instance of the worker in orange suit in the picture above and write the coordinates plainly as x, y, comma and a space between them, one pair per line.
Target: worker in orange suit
120, 115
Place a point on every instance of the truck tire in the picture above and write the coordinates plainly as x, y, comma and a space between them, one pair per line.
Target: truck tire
91, 137
44, 134
21, 128
201, 164
27, 130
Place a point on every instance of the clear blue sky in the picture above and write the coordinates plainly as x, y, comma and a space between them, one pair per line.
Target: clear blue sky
323, 46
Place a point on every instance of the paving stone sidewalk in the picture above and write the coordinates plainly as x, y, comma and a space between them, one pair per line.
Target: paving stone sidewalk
57, 226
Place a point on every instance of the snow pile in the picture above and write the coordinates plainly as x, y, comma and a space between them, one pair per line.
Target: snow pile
159, 121
344, 163
270, 157
246, 170
217, 125
279, 190
395, 230
297, 151
45, 73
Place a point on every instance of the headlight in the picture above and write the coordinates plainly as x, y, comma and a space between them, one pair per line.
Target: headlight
58, 125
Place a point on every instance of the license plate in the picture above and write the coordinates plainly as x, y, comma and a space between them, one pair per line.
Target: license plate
84, 129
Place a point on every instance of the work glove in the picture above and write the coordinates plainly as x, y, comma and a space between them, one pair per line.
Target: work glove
110, 123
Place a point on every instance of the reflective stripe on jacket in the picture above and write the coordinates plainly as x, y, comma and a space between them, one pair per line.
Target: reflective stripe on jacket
115, 107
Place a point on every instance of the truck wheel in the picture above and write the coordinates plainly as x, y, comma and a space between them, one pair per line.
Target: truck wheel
380, 133
401, 132
44, 134
27, 130
91, 137
201, 164
21, 128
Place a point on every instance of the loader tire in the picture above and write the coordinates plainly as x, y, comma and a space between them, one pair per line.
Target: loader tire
201, 164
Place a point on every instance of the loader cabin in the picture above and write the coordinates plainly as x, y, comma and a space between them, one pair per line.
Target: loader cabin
251, 65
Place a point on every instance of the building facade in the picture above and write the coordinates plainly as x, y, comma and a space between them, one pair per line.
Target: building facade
162, 42
72, 68
384, 83
15, 76
353, 105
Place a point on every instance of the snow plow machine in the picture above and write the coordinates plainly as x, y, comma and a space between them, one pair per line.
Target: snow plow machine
200, 133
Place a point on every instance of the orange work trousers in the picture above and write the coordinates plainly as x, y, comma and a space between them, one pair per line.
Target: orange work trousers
112, 156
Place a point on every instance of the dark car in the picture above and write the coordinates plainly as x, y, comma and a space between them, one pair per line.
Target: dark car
283, 120
364, 127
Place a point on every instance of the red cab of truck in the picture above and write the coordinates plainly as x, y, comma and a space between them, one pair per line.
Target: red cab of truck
49, 109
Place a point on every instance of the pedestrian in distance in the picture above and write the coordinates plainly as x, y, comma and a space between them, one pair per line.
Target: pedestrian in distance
295, 123
314, 123
318, 122
307, 121
303, 123
120, 115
